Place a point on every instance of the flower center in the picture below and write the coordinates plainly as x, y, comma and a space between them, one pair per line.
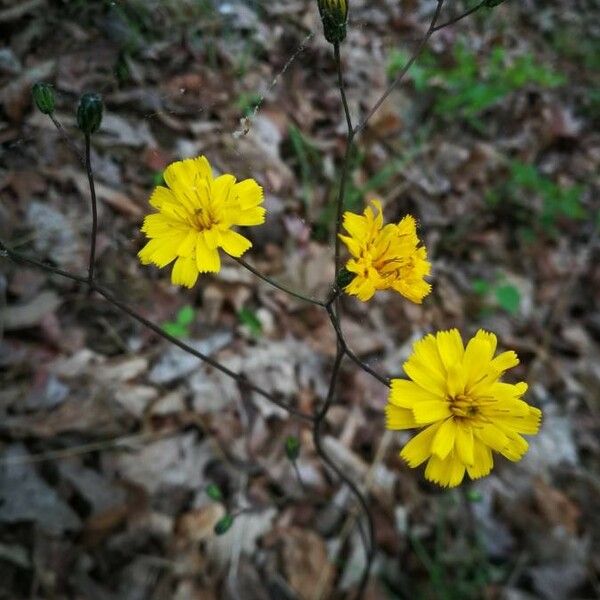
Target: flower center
203, 219
464, 406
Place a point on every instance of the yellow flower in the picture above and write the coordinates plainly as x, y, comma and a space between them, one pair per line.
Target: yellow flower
385, 257
196, 213
467, 412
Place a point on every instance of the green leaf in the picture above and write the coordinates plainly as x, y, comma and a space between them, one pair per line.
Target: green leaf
480, 286
224, 525
214, 492
248, 317
175, 329
508, 298
186, 315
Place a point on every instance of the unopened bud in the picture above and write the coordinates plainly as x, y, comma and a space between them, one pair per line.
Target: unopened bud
292, 447
334, 14
89, 113
224, 524
43, 96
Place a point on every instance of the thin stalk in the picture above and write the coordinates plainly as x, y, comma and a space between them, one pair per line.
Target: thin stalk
272, 282
430, 31
90, 175
93, 286
67, 139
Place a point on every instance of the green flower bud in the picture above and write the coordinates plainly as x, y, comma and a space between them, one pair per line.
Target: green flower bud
214, 492
334, 14
43, 96
344, 278
224, 524
292, 447
89, 113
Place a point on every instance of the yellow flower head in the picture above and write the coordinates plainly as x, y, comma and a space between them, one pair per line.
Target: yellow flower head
457, 396
385, 257
196, 213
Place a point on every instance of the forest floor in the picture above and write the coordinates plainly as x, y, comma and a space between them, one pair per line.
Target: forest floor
109, 436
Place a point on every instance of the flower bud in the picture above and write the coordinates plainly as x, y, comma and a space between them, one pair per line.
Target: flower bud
334, 14
214, 492
89, 113
43, 96
292, 447
224, 524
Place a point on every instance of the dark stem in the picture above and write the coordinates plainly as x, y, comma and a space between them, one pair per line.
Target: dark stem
90, 175
460, 17
404, 71
272, 282
67, 139
368, 541
92, 286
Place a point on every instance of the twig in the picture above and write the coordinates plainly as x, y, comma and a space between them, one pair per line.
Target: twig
90, 175
272, 282
460, 17
404, 71
67, 139
93, 286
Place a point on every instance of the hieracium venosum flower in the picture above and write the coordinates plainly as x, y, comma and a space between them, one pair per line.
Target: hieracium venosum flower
384, 257
196, 215
333, 15
457, 395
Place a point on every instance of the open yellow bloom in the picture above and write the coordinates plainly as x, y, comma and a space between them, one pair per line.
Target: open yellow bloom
196, 213
467, 412
385, 257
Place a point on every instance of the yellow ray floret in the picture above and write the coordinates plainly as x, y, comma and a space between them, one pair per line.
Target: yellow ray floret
384, 256
456, 395
195, 218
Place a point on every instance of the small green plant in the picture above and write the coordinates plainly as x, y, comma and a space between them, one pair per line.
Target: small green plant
248, 318
180, 327
523, 185
504, 294
471, 86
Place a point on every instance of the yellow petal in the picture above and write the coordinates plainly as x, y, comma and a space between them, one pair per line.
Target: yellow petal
249, 217
482, 461
221, 187
406, 393
516, 448
505, 361
464, 444
185, 272
159, 224
160, 251
418, 449
160, 196
476, 360
188, 244
185, 173
399, 418
491, 436
528, 424
207, 260
443, 442
212, 237
234, 243
456, 380
429, 412
450, 347
249, 193
448, 472
490, 338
